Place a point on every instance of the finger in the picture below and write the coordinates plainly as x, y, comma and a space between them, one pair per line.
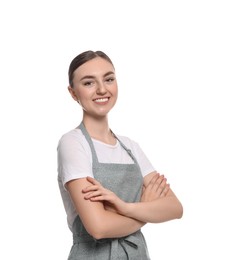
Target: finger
93, 181
92, 194
153, 180
167, 188
165, 191
98, 192
162, 184
158, 182
98, 198
87, 196
91, 188
102, 197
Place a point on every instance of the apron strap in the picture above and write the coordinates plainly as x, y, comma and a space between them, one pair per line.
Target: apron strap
88, 138
95, 158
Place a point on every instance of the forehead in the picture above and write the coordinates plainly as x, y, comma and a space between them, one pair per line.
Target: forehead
96, 67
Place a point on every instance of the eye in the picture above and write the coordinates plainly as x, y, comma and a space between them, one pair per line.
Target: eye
110, 79
88, 84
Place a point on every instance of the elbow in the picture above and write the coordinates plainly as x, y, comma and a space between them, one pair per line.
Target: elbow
97, 235
179, 211
97, 231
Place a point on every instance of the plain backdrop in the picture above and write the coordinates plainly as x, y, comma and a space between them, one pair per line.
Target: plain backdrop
183, 74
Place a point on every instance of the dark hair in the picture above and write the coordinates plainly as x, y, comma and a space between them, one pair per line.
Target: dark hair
83, 58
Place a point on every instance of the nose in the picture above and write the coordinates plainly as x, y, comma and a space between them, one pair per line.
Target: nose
101, 89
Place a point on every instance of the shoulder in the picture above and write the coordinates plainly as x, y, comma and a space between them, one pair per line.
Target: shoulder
71, 140
72, 136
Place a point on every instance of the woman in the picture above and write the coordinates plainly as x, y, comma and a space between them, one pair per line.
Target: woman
108, 186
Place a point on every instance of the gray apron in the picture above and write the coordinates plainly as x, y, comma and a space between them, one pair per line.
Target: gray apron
126, 181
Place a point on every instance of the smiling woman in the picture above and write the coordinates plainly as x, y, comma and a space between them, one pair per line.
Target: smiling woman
108, 186
94, 87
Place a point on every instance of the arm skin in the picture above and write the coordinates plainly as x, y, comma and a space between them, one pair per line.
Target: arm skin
157, 211
165, 207
99, 222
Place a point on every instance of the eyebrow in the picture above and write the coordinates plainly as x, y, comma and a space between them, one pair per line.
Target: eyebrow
92, 77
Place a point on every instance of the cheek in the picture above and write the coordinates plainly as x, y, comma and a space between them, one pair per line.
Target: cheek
115, 91
85, 93
115, 95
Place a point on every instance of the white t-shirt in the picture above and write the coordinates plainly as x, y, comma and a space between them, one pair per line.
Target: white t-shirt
75, 161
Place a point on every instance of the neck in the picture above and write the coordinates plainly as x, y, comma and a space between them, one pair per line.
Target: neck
98, 128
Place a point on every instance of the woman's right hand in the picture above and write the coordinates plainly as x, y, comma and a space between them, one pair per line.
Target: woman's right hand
157, 188
96, 192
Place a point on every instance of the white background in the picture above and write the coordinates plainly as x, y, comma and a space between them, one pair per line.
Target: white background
183, 73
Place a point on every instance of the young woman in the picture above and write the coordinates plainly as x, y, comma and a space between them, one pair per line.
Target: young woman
108, 186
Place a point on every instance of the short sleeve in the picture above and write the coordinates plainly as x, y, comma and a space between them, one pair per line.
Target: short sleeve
143, 161
74, 157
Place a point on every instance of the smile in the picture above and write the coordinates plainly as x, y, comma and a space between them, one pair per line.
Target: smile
101, 100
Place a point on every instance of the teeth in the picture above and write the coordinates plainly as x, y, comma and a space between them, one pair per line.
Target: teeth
101, 100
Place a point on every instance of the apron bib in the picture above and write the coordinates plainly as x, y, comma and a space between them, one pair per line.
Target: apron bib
125, 180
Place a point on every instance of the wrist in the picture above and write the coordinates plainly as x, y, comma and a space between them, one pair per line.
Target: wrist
128, 209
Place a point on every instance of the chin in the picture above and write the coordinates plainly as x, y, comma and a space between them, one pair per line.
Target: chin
101, 114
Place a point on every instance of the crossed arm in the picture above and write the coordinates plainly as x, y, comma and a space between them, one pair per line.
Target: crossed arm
104, 215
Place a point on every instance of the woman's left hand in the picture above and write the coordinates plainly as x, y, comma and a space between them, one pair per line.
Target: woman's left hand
96, 192
156, 188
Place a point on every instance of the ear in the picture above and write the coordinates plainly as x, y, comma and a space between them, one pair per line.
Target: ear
72, 93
